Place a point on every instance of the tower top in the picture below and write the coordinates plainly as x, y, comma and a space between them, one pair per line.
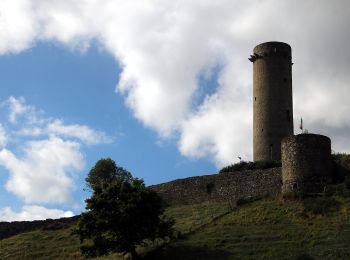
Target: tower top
267, 49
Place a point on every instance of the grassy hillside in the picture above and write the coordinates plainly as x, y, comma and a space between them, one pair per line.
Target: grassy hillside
265, 229
271, 230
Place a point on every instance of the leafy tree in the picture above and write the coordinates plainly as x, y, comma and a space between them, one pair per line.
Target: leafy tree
106, 171
121, 213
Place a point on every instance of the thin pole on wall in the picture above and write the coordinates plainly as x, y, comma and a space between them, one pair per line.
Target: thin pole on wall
301, 125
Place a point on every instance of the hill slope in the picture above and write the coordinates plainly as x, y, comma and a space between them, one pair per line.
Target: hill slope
271, 230
265, 229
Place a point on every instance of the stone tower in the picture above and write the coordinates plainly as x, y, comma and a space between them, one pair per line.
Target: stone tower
306, 163
272, 99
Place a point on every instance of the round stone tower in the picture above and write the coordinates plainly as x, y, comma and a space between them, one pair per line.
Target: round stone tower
306, 163
272, 99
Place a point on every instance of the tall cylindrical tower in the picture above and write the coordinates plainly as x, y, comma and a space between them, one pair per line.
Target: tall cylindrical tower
272, 99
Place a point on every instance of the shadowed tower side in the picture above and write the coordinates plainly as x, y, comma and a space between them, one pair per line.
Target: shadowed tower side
272, 99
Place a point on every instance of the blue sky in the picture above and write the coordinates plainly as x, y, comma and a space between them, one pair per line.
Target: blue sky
162, 87
79, 88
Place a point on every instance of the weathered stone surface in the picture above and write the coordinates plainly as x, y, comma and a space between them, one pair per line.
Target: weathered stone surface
272, 99
221, 187
306, 163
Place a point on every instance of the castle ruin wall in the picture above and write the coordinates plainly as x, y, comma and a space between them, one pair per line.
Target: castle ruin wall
221, 187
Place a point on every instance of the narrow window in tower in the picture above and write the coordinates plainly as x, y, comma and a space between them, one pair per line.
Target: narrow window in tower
288, 115
255, 98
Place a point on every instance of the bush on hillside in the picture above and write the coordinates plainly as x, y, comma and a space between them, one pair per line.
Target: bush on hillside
243, 165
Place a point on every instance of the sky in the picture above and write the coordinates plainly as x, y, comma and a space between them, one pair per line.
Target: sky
164, 88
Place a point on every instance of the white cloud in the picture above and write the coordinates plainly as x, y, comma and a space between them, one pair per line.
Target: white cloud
42, 174
18, 25
32, 212
34, 123
164, 46
81, 132
3, 136
17, 107
43, 168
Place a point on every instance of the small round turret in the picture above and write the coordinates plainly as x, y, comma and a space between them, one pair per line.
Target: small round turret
306, 163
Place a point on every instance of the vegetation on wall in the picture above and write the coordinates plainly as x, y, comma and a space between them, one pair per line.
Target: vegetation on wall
247, 165
341, 157
243, 165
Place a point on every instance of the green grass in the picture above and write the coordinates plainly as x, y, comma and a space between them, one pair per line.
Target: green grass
40, 244
265, 229
269, 229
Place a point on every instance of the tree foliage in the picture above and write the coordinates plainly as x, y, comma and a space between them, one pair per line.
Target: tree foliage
106, 171
121, 213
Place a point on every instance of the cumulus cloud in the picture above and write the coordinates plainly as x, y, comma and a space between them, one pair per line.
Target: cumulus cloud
81, 132
164, 48
34, 123
32, 212
42, 173
43, 168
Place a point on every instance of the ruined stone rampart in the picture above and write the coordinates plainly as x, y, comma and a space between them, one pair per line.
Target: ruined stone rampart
221, 187
8, 229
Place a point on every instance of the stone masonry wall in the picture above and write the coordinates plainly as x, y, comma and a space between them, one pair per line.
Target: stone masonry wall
221, 187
